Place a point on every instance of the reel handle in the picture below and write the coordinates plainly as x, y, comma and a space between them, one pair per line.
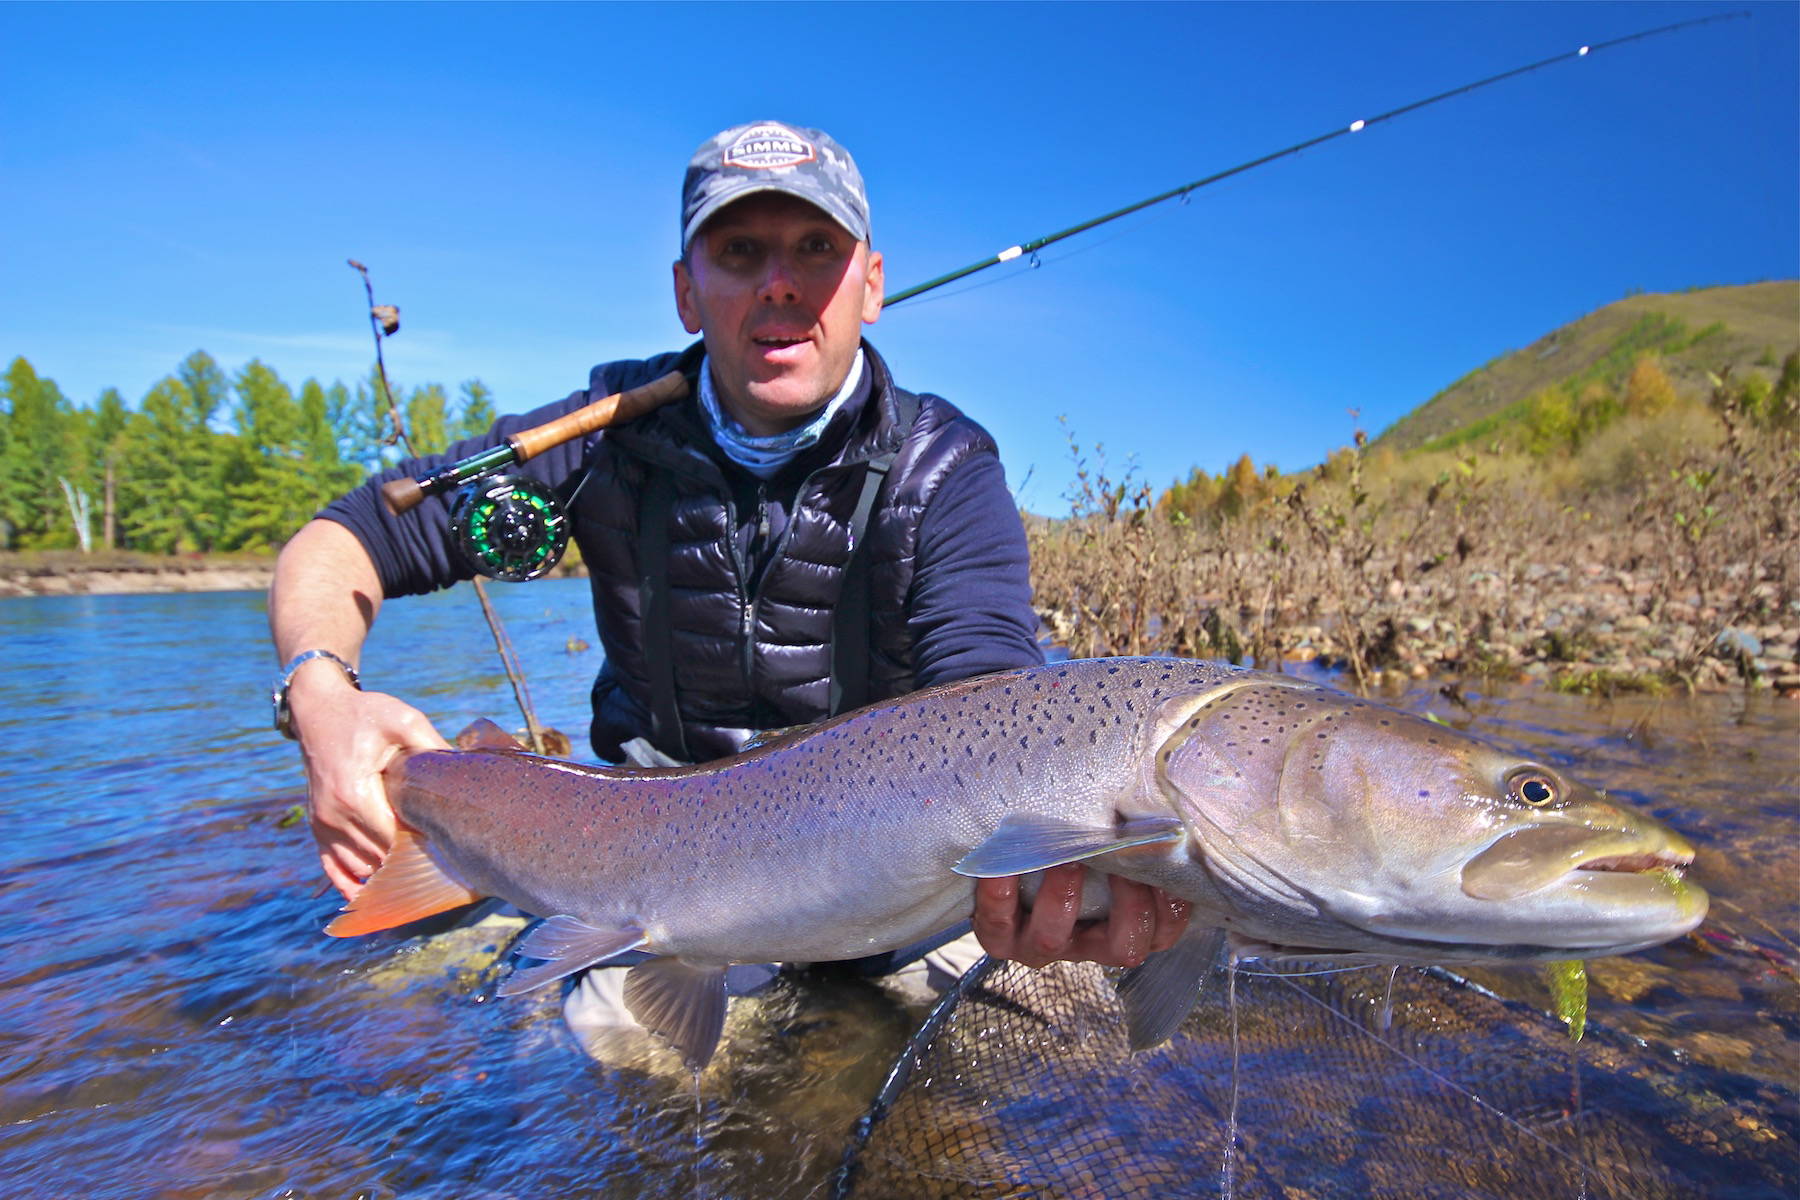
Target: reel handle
400, 495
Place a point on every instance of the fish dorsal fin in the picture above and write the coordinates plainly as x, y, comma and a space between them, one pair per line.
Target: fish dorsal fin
407, 886
483, 734
1025, 842
762, 739
682, 1002
567, 945
1159, 995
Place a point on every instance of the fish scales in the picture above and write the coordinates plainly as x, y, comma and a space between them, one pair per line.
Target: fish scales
892, 796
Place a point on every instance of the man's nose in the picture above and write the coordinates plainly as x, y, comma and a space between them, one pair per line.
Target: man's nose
778, 285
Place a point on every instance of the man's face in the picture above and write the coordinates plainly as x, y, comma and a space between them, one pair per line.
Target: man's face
781, 292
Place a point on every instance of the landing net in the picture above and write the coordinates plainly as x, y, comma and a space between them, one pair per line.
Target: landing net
1021, 1085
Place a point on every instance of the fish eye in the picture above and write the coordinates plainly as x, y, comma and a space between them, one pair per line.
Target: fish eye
1532, 787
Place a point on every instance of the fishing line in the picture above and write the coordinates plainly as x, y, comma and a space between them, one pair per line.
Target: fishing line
1031, 247
1037, 261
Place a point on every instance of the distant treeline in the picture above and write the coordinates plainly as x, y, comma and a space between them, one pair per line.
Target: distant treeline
205, 461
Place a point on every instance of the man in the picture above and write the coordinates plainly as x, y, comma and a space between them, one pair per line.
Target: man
719, 533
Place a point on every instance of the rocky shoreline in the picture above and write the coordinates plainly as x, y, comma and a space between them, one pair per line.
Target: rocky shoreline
72, 574
1585, 633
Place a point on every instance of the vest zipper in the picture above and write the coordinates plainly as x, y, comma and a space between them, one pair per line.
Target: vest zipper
753, 595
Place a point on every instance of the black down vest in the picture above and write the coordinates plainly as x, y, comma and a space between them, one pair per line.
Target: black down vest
747, 658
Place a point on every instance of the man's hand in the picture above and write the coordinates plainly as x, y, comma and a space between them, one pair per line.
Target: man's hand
1143, 920
348, 738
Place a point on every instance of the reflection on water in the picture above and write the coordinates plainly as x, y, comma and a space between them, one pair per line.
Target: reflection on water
174, 1024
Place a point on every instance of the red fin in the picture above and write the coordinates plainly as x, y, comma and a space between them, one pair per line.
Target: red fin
408, 886
483, 734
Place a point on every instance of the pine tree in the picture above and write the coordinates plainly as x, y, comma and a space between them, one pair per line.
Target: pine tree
172, 476
268, 482
428, 419
476, 413
105, 447
40, 447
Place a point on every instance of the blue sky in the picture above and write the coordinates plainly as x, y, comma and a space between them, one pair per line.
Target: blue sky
191, 177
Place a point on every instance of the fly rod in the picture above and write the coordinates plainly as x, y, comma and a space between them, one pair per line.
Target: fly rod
1357, 126
403, 494
511, 527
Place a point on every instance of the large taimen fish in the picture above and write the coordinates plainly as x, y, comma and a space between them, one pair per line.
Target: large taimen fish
1302, 820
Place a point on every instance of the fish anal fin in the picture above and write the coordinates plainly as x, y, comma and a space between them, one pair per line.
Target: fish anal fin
1159, 995
407, 886
567, 945
681, 1002
483, 734
1025, 842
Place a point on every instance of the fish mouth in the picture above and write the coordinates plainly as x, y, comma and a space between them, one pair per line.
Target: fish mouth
1539, 857
1658, 860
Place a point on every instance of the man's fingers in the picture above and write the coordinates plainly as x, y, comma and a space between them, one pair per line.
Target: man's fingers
1132, 925
344, 880
1049, 928
996, 916
1172, 914
1143, 921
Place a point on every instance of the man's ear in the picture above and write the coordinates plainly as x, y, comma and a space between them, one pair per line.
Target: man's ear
874, 288
684, 298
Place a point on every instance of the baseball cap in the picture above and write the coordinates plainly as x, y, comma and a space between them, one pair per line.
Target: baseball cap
769, 156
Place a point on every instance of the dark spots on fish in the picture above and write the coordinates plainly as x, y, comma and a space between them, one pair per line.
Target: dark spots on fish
1424, 793
992, 755
1024, 743
1093, 736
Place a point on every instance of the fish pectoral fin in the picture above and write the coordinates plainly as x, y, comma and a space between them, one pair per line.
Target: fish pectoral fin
1025, 842
483, 734
1159, 995
681, 1002
567, 945
407, 886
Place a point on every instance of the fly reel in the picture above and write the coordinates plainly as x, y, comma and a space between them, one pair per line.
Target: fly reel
509, 527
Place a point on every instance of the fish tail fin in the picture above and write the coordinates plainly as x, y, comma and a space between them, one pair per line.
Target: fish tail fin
407, 886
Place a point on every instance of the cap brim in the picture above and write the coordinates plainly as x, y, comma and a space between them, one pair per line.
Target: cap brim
737, 189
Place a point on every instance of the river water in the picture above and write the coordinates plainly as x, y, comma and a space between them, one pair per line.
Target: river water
174, 1023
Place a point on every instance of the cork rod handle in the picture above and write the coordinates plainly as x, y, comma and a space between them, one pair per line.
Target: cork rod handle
402, 494
620, 406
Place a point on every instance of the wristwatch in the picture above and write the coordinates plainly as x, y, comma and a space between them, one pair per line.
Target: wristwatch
278, 695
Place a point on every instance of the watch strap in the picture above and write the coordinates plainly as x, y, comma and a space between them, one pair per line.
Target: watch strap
278, 695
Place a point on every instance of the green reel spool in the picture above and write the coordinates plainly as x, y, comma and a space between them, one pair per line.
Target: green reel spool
509, 527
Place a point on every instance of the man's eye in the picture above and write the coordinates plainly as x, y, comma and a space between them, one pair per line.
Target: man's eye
737, 248
820, 245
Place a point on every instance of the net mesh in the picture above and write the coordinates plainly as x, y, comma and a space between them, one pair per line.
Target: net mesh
1349, 1084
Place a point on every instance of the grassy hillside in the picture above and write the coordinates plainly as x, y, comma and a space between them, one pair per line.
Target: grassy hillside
1749, 328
